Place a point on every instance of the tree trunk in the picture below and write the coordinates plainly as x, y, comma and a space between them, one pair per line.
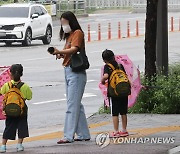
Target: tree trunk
150, 38
15, 1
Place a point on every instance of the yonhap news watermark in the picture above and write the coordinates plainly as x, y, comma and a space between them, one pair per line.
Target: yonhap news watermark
103, 140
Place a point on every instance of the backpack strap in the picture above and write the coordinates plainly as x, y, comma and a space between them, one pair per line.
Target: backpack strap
10, 84
19, 85
120, 67
110, 65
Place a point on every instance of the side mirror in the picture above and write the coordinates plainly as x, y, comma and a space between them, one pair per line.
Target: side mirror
34, 16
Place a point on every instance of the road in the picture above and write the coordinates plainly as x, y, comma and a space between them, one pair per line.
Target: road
46, 75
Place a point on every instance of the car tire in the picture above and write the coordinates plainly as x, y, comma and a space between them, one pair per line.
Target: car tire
47, 38
8, 43
28, 38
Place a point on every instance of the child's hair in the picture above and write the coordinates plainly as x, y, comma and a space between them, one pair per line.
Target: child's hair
108, 55
16, 71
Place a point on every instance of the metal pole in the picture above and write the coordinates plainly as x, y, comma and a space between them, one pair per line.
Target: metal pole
162, 37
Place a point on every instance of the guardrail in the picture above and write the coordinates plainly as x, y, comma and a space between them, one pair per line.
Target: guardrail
75, 6
139, 8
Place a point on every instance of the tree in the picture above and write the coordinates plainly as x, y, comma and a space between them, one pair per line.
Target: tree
150, 38
15, 1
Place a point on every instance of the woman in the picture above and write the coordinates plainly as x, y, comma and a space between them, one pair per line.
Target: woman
75, 121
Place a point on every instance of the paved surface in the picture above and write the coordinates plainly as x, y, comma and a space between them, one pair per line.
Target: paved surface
146, 128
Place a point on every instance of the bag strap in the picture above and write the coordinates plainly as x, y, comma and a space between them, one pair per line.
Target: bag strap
10, 84
113, 68
19, 85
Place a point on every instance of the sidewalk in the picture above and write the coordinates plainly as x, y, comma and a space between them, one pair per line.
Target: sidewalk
140, 126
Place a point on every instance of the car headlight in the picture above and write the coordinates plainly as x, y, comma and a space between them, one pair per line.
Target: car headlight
19, 25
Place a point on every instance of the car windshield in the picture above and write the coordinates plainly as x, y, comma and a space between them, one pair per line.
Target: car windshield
14, 12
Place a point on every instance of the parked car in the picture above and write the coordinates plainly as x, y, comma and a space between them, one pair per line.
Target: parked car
24, 23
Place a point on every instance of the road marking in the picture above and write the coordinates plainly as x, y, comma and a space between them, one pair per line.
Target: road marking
51, 101
92, 70
140, 132
174, 150
89, 95
98, 51
88, 81
149, 131
95, 125
37, 59
86, 95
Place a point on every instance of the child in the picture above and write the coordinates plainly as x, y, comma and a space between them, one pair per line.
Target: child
16, 123
119, 104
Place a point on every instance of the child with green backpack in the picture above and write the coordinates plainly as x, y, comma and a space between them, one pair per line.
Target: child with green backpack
14, 108
118, 90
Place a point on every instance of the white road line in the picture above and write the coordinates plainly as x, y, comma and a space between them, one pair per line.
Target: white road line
86, 95
51, 101
89, 95
92, 70
95, 51
88, 81
37, 59
175, 150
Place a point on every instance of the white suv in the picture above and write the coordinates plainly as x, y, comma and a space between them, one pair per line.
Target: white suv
24, 23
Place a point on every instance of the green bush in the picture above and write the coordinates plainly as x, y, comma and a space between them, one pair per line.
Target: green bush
162, 96
104, 109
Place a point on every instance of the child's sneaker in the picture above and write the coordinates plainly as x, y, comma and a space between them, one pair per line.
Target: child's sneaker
3, 149
114, 134
20, 148
123, 134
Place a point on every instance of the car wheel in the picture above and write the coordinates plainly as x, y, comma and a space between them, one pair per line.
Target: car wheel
8, 43
28, 38
48, 36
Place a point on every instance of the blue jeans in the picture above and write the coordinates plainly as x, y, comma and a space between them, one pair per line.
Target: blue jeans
75, 121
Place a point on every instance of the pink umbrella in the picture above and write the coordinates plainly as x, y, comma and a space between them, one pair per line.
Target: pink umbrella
4, 77
133, 75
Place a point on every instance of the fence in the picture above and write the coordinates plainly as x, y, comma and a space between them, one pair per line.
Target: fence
82, 5
112, 3
123, 3
75, 6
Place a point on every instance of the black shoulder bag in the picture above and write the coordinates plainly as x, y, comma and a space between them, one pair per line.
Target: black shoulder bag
79, 61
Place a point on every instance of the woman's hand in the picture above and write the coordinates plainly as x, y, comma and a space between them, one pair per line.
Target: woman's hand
59, 56
56, 51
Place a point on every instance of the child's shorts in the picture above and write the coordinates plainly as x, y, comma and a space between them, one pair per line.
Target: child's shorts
119, 105
16, 124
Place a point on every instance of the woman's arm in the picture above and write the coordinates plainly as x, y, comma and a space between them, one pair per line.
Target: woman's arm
65, 51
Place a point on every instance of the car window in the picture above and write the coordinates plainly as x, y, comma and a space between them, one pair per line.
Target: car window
43, 10
32, 11
38, 10
14, 12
